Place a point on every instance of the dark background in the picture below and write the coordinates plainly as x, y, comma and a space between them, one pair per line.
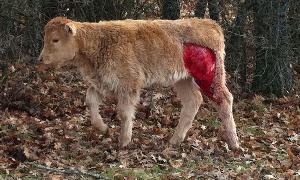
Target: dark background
262, 35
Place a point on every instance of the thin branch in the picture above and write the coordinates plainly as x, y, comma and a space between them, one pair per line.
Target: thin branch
67, 171
231, 32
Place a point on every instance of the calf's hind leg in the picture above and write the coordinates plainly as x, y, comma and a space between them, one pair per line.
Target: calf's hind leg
191, 100
93, 100
224, 107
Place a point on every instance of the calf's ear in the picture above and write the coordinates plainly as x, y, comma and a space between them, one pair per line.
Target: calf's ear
70, 28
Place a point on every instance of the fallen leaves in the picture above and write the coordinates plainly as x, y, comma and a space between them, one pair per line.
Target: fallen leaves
45, 121
30, 154
294, 154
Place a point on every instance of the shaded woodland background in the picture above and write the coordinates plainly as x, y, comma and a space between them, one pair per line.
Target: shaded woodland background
262, 35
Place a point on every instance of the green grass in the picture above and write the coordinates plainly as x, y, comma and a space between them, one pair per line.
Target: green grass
156, 172
7, 176
240, 167
119, 173
253, 130
7, 127
28, 135
4, 176
260, 107
215, 123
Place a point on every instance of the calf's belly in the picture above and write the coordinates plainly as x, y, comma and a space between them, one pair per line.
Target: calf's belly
200, 62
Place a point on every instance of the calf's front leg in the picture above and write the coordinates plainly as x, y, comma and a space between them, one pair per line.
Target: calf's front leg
126, 112
93, 100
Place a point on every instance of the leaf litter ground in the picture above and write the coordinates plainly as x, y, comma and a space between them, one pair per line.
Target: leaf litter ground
45, 132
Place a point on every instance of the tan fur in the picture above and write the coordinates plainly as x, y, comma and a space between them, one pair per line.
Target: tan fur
121, 57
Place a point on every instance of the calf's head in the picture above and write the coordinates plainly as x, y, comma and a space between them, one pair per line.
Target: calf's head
60, 46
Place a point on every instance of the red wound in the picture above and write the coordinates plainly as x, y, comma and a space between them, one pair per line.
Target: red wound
201, 64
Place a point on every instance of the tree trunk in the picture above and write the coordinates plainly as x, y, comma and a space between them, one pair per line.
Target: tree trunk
236, 50
213, 6
222, 12
214, 9
294, 17
273, 73
200, 8
171, 9
49, 9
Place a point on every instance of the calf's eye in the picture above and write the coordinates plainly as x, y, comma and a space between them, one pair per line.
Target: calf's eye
55, 40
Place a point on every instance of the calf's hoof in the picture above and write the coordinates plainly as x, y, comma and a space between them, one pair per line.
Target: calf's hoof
102, 127
231, 139
124, 141
176, 140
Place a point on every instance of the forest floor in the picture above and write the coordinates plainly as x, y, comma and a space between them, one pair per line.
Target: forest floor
45, 132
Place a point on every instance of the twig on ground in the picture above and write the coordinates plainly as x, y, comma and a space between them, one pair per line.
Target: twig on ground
67, 170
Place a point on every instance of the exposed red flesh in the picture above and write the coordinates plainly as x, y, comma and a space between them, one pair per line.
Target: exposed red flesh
201, 64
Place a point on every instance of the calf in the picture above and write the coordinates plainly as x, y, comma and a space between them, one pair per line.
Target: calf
121, 57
